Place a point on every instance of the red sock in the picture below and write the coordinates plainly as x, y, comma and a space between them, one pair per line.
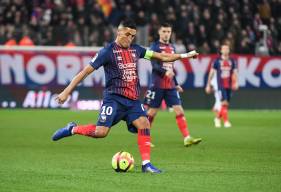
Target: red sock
182, 124
224, 112
144, 143
87, 130
150, 119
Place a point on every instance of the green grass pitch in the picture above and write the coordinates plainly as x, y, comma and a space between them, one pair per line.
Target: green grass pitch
246, 157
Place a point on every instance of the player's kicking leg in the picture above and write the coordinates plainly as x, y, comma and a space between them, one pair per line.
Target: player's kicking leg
89, 130
64, 132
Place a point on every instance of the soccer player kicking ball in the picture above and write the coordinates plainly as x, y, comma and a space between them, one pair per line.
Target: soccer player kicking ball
226, 70
120, 102
164, 85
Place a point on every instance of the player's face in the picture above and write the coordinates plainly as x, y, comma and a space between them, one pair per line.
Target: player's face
165, 34
225, 50
125, 36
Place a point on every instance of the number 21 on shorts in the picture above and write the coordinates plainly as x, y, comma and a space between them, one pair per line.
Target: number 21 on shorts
150, 94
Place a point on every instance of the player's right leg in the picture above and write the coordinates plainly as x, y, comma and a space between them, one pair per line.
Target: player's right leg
151, 113
172, 98
182, 125
143, 126
226, 94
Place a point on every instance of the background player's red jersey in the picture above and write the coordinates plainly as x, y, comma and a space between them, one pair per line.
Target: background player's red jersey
159, 80
224, 70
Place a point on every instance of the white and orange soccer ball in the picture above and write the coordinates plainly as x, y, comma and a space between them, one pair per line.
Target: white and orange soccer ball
123, 162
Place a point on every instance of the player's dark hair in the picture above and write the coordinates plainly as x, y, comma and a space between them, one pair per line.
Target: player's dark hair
128, 23
165, 24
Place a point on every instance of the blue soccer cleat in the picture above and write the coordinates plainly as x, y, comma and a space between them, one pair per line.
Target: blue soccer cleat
149, 168
64, 132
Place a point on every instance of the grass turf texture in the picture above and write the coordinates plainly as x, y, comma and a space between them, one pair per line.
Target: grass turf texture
246, 157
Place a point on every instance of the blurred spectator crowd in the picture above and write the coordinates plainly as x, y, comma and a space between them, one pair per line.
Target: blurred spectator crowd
200, 24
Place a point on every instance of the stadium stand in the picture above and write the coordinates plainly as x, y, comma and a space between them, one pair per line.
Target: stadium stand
253, 26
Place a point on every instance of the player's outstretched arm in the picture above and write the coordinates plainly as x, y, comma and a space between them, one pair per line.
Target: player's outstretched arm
168, 57
62, 97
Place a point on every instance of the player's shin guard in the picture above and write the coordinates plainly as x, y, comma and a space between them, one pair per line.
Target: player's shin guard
224, 112
182, 124
144, 143
87, 130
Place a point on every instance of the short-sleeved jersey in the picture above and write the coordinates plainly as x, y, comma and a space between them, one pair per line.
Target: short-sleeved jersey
159, 80
224, 69
120, 67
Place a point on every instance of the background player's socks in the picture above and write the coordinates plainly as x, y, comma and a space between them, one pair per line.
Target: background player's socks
224, 112
182, 124
144, 143
87, 130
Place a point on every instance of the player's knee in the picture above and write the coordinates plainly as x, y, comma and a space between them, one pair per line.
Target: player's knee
225, 102
178, 110
142, 123
101, 132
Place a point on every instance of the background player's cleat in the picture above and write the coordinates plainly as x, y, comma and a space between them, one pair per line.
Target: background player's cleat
64, 132
149, 168
227, 124
188, 141
217, 122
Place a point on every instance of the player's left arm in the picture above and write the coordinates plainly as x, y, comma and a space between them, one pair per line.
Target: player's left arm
208, 88
235, 85
234, 76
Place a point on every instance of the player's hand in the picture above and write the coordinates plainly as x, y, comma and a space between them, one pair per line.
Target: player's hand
170, 74
62, 97
208, 89
193, 54
179, 88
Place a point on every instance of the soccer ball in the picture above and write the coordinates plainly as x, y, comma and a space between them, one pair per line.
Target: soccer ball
122, 162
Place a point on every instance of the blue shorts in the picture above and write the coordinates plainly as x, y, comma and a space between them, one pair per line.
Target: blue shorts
154, 97
225, 94
116, 108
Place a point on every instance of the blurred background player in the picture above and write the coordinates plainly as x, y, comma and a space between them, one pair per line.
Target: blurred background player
226, 71
164, 85
120, 101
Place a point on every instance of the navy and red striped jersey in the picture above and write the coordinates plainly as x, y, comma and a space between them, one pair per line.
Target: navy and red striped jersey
120, 67
224, 70
159, 80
